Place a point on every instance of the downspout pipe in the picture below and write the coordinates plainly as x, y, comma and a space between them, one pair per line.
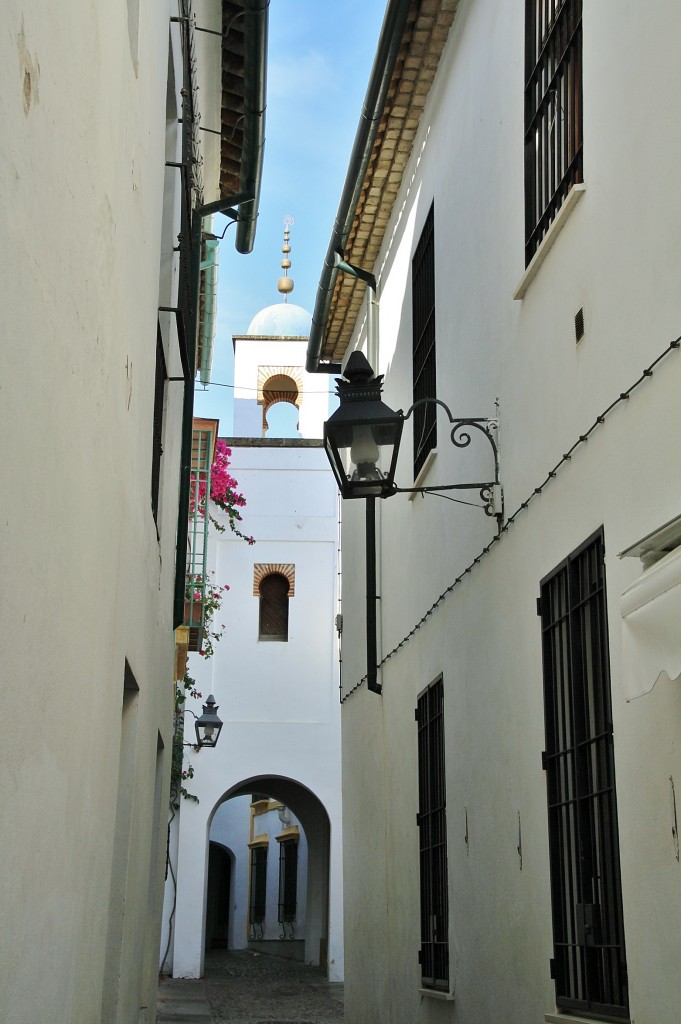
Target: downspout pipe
256, 17
372, 111
225, 206
209, 266
187, 425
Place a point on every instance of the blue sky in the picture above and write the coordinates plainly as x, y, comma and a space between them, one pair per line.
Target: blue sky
319, 60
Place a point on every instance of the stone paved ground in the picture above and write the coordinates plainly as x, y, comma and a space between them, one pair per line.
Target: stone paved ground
250, 988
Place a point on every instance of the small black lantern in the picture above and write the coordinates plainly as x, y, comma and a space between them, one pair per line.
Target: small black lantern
362, 437
208, 726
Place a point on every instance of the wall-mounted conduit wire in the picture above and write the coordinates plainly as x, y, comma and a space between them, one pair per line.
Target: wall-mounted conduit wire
169, 868
582, 439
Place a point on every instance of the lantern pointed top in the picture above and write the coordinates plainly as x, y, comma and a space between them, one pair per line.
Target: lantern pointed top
358, 368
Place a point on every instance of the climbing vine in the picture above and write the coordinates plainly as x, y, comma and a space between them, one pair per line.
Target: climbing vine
223, 492
225, 496
181, 771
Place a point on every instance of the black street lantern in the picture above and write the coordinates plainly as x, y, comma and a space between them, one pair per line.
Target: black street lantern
362, 440
208, 726
362, 437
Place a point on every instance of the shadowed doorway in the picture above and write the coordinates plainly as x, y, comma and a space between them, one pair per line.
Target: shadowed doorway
218, 896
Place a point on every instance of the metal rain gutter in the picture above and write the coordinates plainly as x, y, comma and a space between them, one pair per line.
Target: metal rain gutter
372, 111
256, 17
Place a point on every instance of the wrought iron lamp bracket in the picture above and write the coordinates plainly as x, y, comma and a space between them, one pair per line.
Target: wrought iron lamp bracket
209, 720
490, 491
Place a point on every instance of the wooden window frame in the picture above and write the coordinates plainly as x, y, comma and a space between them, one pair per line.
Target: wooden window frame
273, 610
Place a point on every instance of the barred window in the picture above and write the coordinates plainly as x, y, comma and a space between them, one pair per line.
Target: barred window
423, 327
157, 432
288, 880
432, 823
274, 592
589, 965
553, 112
258, 900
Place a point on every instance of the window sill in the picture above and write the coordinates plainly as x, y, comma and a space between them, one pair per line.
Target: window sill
557, 225
568, 1018
422, 474
262, 840
292, 832
436, 993
650, 609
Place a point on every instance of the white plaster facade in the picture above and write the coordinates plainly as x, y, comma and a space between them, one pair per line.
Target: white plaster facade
278, 700
88, 220
616, 258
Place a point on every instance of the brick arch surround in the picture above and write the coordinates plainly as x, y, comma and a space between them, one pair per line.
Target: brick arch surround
263, 569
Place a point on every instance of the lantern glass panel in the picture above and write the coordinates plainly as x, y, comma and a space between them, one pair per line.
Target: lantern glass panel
365, 456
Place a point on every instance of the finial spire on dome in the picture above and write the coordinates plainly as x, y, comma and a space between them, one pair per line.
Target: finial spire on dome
285, 283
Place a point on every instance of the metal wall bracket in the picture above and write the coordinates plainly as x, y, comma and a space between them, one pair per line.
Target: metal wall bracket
461, 433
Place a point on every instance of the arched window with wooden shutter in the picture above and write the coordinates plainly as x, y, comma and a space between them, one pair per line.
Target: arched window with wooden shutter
274, 595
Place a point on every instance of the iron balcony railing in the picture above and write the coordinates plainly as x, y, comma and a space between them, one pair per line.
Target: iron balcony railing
197, 541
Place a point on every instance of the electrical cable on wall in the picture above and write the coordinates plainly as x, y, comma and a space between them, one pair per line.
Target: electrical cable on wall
582, 439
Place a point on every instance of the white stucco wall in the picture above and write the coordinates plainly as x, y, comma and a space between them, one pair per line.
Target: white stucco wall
86, 580
614, 259
249, 356
278, 700
231, 828
268, 823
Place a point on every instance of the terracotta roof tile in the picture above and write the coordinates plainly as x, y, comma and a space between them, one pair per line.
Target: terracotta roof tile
423, 41
232, 95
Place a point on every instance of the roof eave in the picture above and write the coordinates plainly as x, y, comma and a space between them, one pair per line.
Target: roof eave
244, 88
412, 40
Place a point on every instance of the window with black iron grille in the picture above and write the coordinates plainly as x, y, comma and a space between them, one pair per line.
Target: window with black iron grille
157, 443
553, 111
288, 880
258, 900
274, 590
432, 823
589, 965
423, 325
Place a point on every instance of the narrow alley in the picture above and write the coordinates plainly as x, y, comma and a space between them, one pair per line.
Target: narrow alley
243, 987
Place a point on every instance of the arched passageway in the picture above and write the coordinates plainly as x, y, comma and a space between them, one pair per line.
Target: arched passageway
278, 833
